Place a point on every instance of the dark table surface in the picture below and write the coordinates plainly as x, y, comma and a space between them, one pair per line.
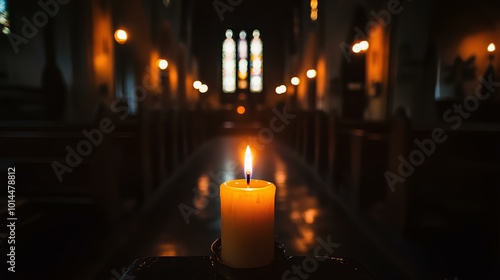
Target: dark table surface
292, 268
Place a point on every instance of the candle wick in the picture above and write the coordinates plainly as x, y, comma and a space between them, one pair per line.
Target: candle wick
248, 179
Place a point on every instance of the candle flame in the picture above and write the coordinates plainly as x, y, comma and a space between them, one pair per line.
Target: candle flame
491, 47
248, 161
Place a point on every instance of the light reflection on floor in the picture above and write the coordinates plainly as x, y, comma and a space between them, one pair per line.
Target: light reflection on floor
167, 249
302, 213
296, 210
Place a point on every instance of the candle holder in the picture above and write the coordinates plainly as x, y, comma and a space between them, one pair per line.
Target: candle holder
212, 268
264, 272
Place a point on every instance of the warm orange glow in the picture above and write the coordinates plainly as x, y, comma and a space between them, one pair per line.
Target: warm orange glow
310, 215
491, 47
376, 68
322, 81
154, 80
295, 81
121, 36
240, 110
167, 249
248, 161
314, 4
196, 84
101, 47
162, 64
314, 10
314, 15
203, 88
311, 73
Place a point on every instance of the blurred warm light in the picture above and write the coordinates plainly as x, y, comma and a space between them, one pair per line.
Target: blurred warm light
295, 81
314, 15
308, 236
241, 110
248, 161
203, 184
203, 88
162, 64
360, 47
491, 47
363, 45
201, 200
314, 4
197, 84
311, 73
356, 48
167, 249
310, 215
281, 89
314, 10
280, 177
295, 215
121, 36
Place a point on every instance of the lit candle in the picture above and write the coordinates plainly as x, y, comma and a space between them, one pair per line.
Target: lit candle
247, 218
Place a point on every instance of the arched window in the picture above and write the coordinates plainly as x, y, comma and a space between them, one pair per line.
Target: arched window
256, 63
242, 61
237, 71
4, 17
229, 63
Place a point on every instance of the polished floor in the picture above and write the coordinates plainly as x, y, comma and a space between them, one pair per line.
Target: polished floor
305, 214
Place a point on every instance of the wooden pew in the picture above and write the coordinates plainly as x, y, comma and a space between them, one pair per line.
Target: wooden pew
458, 183
103, 179
321, 144
332, 127
368, 163
359, 145
393, 210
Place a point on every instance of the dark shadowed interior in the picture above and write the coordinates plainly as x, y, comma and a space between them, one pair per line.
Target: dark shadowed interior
377, 120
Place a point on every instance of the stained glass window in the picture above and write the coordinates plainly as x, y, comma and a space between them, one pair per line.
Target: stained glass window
256, 61
239, 65
4, 17
242, 61
229, 63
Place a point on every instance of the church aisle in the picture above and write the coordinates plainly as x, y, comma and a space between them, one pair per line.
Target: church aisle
306, 218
